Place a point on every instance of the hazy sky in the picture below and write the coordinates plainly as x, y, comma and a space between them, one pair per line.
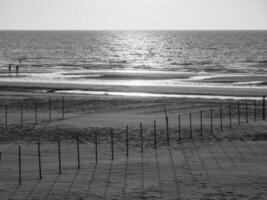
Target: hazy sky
133, 14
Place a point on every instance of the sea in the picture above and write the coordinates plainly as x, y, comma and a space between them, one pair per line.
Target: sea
136, 58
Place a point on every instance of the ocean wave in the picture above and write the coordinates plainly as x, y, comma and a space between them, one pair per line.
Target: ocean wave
156, 95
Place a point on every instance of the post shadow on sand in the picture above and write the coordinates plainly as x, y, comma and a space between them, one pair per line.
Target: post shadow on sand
158, 173
71, 184
108, 180
200, 158
212, 155
156, 148
32, 190
51, 187
254, 155
178, 192
227, 155
187, 164
263, 148
91, 179
237, 150
125, 179
14, 192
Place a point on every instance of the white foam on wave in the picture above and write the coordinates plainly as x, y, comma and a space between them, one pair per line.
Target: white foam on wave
156, 95
94, 77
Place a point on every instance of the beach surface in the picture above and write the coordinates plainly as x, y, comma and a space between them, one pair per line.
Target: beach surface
228, 161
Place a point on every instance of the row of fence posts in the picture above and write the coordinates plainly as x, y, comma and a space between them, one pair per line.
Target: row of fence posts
141, 136
35, 112
166, 117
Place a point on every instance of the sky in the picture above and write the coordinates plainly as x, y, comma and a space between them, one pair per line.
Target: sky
133, 14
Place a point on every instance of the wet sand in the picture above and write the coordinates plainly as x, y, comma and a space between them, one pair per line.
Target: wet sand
195, 90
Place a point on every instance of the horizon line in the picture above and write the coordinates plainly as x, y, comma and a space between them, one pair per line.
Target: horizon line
133, 29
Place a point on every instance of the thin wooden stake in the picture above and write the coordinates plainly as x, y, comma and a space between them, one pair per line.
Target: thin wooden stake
246, 111
201, 123
6, 116
211, 122
190, 126
20, 165
179, 127
50, 115
230, 116
111, 142
59, 157
21, 114
155, 134
255, 110
141, 136
221, 120
96, 158
263, 108
63, 108
167, 131
127, 142
39, 161
35, 112
78, 152
238, 112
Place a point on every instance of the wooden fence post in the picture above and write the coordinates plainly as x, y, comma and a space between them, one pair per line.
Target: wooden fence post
167, 130
78, 152
263, 108
39, 161
59, 157
246, 111
96, 158
127, 141
49, 105
155, 134
179, 127
211, 122
63, 107
141, 136
35, 111
21, 114
255, 110
6, 116
190, 126
221, 120
111, 142
20, 165
238, 112
201, 121
230, 116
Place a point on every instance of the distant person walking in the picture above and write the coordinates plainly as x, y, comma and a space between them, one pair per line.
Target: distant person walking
17, 69
9, 68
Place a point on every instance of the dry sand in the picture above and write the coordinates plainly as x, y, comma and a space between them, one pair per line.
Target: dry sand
230, 164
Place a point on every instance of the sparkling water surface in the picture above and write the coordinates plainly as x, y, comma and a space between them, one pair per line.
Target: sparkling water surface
165, 58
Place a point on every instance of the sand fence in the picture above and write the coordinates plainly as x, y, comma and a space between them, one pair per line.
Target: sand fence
203, 123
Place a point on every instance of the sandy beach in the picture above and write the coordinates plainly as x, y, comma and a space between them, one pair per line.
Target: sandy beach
221, 164
133, 100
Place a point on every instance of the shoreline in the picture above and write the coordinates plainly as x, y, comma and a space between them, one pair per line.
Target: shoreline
37, 87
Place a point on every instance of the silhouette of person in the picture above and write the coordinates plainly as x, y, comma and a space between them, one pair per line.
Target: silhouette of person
17, 69
9, 68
